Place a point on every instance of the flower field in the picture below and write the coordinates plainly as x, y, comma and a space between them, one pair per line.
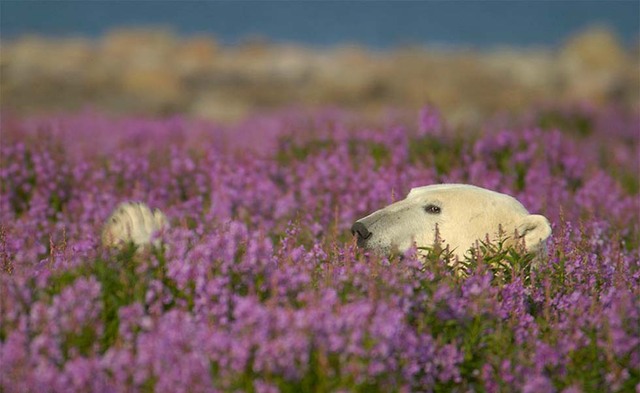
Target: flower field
259, 286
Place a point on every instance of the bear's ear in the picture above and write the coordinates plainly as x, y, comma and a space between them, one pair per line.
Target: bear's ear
535, 229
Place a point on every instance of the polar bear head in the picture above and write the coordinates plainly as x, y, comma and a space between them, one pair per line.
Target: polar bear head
461, 214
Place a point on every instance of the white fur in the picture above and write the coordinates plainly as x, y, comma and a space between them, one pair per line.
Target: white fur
132, 222
467, 214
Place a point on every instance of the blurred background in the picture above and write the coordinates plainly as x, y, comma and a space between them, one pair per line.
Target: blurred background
227, 60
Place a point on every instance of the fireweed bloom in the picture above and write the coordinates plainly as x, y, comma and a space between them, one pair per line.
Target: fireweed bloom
259, 286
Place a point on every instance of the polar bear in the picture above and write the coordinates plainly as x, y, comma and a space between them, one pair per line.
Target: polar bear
132, 222
463, 214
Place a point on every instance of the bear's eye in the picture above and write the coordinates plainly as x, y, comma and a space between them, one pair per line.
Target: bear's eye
432, 209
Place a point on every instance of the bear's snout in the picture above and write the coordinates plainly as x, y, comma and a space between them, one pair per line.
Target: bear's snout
361, 230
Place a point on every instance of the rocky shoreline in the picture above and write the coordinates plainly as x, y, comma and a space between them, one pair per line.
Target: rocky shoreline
156, 72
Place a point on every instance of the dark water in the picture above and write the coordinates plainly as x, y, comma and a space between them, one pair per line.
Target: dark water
376, 24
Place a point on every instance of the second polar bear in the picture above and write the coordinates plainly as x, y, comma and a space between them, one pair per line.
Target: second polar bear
461, 214
132, 222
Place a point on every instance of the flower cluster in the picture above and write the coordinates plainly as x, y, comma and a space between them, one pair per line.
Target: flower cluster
258, 285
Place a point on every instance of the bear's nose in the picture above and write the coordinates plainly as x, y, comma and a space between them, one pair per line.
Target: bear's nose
361, 230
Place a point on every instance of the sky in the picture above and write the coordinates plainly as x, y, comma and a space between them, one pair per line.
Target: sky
371, 23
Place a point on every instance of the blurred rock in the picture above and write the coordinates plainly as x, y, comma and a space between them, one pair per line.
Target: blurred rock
594, 65
219, 107
157, 86
595, 49
196, 56
138, 47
